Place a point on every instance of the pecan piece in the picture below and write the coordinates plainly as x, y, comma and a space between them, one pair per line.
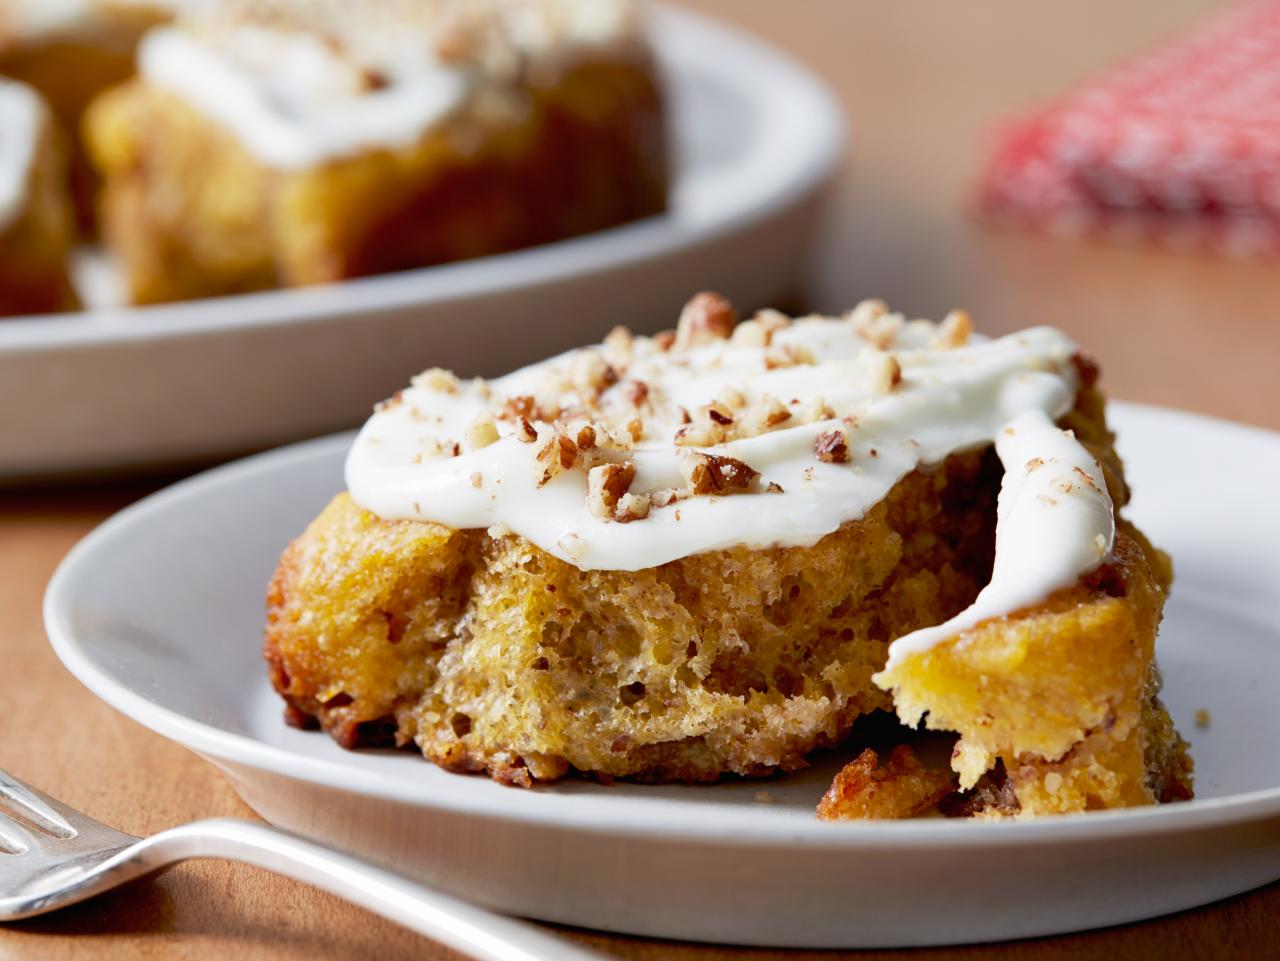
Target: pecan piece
607, 484
705, 318
714, 474
954, 331
832, 446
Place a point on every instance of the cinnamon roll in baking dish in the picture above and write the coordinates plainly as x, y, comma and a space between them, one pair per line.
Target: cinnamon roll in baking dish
274, 143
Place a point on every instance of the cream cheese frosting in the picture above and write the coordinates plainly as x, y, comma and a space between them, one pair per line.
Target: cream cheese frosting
21, 120
773, 435
301, 84
1054, 522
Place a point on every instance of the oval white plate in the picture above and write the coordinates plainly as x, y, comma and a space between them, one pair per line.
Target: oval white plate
160, 610
756, 138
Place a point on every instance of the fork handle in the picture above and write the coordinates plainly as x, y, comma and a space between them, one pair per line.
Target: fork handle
458, 924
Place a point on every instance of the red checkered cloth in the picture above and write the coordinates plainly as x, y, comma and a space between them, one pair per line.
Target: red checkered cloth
1181, 145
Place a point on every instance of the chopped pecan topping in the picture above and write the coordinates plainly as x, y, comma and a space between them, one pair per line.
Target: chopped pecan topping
704, 433
717, 413
883, 369
814, 410
788, 355
586, 437
481, 432
635, 391
548, 411
590, 372
664, 340
705, 318
519, 406
606, 486
664, 497
1085, 476
395, 400
867, 311
763, 416
954, 331
631, 507
732, 398
619, 344
525, 431
566, 451
759, 330
437, 379
559, 453
751, 333
874, 324
712, 474
832, 446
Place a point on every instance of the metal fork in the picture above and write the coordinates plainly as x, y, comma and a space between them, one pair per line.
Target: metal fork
52, 856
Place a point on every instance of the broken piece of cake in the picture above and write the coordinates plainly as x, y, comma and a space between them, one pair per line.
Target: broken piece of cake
270, 143
709, 552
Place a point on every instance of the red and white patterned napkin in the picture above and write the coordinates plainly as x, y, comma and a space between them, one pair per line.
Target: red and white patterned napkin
1181, 145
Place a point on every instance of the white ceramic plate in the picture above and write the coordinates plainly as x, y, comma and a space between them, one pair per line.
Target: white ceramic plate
756, 137
160, 610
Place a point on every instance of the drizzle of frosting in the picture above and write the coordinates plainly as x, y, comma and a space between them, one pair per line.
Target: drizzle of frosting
1054, 522
302, 84
414, 459
21, 118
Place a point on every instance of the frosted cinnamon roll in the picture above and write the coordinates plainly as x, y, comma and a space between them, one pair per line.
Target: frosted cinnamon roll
711, 551
298, 141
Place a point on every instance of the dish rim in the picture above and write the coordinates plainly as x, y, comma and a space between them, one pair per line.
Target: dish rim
731, 826
532, 267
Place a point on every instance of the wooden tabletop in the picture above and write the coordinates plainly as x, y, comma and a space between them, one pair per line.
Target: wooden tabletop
921, 81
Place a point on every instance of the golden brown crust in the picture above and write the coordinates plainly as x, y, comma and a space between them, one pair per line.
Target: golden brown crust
190, 213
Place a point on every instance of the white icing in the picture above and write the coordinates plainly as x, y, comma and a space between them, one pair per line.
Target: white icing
1055, 521
296, 99
290, 101
21, 117
948, 400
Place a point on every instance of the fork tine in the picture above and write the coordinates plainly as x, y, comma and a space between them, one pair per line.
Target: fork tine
12, 838
28, 806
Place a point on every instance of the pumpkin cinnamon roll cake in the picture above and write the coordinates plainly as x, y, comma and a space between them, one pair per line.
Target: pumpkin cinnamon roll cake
275, 143
711, 551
